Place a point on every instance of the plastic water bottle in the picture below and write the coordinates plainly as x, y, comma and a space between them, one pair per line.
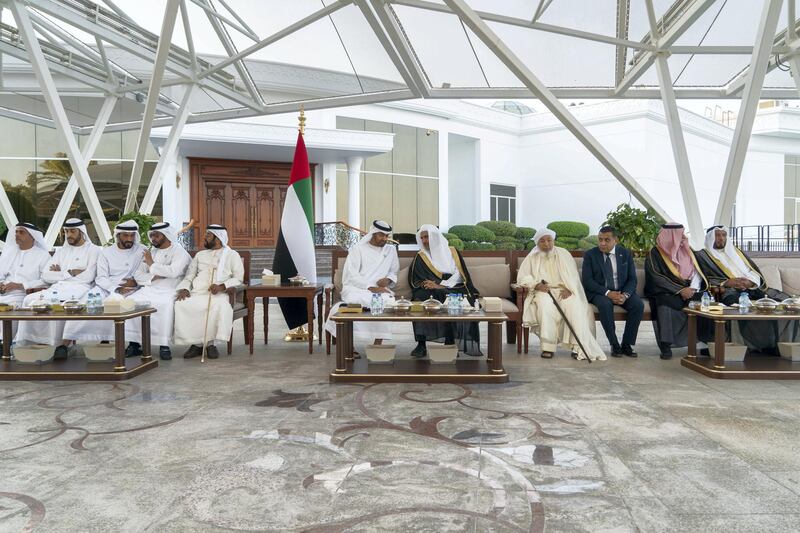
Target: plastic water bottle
93, 303
54, 298
744, 302
375, 308
453, 305
705, 302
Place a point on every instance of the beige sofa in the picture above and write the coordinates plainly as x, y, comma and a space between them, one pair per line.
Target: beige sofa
491, 272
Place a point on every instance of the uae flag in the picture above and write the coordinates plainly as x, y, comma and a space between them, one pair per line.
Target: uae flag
295, 254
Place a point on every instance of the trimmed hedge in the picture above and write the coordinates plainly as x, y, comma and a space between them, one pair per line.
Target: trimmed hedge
585, 245
525, 233
575, 230
509, 245
592, 239
472, 245
529, 245
454, 241
499, 227
473, 233
567, 242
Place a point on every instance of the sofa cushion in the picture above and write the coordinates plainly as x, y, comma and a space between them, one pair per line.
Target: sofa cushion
789, 280
492, 280
772, 275
402, 287
507, 306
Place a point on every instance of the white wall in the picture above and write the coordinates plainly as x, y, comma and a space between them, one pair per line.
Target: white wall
463, 180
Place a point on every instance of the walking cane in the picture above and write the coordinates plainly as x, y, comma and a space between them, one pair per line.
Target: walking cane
208, 312
566, 320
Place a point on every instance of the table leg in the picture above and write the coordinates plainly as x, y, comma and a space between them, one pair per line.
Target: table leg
341, 346
310, 318
495, 351
147, 348
266, 318
119, 342
251, 321
691, 351
319, 317
719, 344
7, 340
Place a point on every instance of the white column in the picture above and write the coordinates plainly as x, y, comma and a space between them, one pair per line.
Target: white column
354, 191
444, 180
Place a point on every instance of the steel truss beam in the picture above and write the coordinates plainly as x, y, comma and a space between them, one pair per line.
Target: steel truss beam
524, 23
230, 49
388, 47
162, 54
59, 115
747, 113
677, 141
515, 65
168, 154
277, 36
392, 29
62, 210
645, 60
784, 45
110, 35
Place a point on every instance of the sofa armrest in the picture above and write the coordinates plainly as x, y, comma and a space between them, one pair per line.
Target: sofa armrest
34, 291
521, 293
235, 292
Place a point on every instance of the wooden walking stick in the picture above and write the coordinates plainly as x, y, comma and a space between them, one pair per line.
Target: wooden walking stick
208, 312
566, 320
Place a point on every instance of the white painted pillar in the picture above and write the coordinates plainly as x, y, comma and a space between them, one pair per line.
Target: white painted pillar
354, 191
444, 180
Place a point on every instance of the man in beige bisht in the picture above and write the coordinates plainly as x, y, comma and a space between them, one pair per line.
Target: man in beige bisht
192, 305
550, 268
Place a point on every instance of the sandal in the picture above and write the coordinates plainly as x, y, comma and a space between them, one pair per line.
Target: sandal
547, 355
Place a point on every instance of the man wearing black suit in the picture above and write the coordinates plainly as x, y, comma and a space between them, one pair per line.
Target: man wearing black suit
609, 279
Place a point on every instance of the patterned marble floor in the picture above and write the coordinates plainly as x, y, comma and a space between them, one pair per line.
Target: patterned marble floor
264, 443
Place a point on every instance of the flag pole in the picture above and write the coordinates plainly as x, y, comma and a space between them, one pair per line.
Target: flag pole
300, 333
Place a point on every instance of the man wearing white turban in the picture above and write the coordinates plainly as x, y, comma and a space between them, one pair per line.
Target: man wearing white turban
551, 268
436, 271
21, 264
192, 311
727, 267
162, 268
70, 273
371, 268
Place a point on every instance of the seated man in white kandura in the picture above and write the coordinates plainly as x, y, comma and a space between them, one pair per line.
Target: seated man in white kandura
551, 268
115, 269
70, 273
213, 270
21, 264
162, 268
371, 268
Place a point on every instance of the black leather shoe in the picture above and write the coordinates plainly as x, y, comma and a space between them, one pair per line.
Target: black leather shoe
666, 350
419, 352
193, 351
616, 351
164, 353
574, 355
705, 352
134, 349
212, 352
628, 350
60, 353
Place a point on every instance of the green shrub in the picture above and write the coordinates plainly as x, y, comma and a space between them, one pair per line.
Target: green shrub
576, 230
473, 233
525, 233
504, 238
637, 229
567, 242
456, 243
529, 245
509, 245
499, 227
472, 245
585, 244
592, 239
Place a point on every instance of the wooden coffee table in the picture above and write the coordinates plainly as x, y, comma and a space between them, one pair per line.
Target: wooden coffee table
257, 290
463, 370
76, 368
754, 366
